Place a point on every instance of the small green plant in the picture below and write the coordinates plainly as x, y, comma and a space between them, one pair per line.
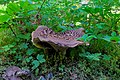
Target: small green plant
36, 63
95, 56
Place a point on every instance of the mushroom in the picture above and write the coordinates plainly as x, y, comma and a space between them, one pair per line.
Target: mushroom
60, 41
15, 73
10, 73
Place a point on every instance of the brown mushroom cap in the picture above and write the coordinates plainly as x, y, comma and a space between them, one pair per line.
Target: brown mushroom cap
15, 73
10, 73
60, 40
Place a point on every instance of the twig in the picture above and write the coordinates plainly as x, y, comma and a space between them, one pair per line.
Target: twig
12, 30
39, 9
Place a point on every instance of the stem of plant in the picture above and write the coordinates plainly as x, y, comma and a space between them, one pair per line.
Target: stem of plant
12, 30
62, 56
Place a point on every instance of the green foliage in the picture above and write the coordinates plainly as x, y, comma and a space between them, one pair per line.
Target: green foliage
100, 18
94, 56
106, 57
36, 63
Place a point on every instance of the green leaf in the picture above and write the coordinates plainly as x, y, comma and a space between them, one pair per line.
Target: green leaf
83, 38
24, 46
6, 48
13, 51
100, 25
4, 18
94, 56
27, 36
2, 12
112, 38
29, 58
35, 63
113, 33
24, 36
63, 27
61, 68
107, 38
25, 5
19, 57
30, 51
86, 38
12, 45
1, 51
10, 12
40, 58
115, 38
89, 38
106, 57
13, 7
90, 56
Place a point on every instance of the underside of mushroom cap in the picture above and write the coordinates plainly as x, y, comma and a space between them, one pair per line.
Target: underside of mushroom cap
59, 40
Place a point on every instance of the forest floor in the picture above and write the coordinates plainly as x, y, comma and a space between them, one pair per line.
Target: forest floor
73, 70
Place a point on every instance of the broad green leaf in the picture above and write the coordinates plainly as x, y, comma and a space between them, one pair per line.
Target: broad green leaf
112, 38
35, 64
113, 33
4, 18
1, 50
14, 7
24, 46
100, 25
63, 27
83, 38
90, 56
29, 58
84, 54
2, 12
12, 52
106, 57
26, 6
30, 51
24, 36
98, 9
107, 38
94, 56
115, 38
27, 36
6, 48
12, 45
86, 38
89, 38
19, 57
10, 12
40, 58
61, 68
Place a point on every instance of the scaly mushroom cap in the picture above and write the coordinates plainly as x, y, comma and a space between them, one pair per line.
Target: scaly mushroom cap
15, 73
60, 40
10, 73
